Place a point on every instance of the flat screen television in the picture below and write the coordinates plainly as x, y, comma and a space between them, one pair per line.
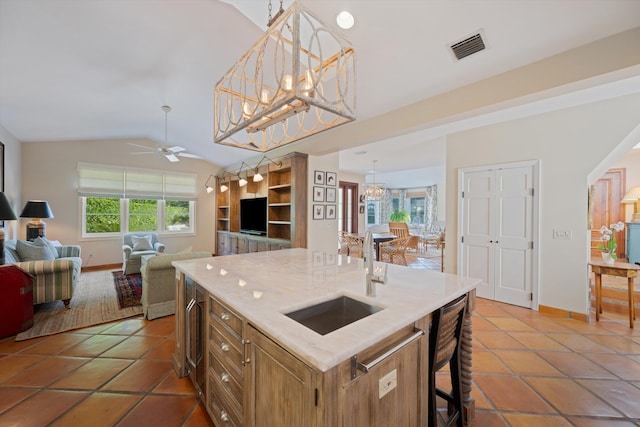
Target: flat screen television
253, 216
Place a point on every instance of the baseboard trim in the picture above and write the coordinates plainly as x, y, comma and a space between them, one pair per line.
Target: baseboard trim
103, 267
563, 313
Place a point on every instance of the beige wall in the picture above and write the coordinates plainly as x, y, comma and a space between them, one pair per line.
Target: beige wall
49, 173
569, 144
12, 168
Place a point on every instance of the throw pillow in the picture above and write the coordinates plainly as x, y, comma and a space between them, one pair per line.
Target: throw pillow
142, 243
29, 251
40, 241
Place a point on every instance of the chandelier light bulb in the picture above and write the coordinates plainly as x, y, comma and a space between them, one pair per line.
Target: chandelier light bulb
345, 20
287, 82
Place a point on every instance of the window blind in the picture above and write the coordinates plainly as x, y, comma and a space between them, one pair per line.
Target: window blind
111, 181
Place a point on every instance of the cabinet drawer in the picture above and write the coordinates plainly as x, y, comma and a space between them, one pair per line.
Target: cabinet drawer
219, 405
225, 316
226, 347
228, 381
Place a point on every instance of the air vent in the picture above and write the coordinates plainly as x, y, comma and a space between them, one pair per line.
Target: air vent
468, 46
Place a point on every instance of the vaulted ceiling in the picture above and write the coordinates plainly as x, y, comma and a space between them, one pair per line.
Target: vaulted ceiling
101, 69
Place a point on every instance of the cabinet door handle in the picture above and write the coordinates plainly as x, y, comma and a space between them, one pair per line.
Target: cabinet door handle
224, 346
355, 365
224, 316
224, 416
224, 377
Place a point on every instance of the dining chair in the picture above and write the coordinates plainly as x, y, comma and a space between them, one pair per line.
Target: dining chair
393, 251
354, 245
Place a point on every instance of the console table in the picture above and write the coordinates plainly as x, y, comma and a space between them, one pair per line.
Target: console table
619, 269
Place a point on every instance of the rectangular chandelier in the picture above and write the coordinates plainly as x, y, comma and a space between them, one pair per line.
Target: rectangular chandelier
295, 81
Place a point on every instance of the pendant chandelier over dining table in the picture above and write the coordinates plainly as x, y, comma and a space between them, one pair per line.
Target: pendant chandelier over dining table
297, 80
374, 191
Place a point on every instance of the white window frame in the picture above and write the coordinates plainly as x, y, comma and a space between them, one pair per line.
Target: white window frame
124, 219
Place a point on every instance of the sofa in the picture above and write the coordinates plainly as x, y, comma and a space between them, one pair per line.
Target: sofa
159, 282
54, 279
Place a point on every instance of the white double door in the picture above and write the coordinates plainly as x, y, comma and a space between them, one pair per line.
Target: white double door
497, 224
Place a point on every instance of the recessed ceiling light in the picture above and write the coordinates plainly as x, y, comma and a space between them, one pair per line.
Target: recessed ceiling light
345, 20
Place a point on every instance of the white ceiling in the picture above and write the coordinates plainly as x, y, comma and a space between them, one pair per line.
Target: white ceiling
101, 69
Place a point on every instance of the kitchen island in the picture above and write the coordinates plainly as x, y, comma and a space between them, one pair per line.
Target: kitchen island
261, 367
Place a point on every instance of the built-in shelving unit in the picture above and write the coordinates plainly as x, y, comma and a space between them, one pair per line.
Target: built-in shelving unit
285, 186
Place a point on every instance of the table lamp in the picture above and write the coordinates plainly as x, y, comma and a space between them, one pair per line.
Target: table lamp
5, 213
633, 196
36, 210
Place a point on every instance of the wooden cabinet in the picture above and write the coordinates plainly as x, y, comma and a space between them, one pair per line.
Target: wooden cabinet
253, 380
633, 242
285, 186
282, 389
225, 364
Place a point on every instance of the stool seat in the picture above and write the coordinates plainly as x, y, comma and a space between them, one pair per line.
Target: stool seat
444, 348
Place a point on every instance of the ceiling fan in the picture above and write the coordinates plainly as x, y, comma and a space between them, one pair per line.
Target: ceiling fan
171, 153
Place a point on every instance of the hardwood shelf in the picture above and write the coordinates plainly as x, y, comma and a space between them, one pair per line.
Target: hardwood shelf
285, 187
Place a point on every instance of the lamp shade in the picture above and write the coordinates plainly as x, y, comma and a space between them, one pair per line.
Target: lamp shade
632, 195
36, 209
5, 208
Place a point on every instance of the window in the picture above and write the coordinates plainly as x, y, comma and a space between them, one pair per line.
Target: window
373, 213
416, 206
101, 215
115, 200
143, 215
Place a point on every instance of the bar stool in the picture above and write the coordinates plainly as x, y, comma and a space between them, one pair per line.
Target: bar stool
444, 347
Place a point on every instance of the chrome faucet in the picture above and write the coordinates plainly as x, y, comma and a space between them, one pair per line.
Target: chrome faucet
372, 278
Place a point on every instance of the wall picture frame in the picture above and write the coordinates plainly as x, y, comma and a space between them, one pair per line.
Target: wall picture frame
318, 211
330, 212
331, 178
318, 194
361, 209
318, 177
330, 195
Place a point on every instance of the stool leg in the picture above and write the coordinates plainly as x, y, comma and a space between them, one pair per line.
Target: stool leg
456, 388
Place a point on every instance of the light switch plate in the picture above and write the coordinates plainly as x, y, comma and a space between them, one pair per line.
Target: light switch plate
387, 383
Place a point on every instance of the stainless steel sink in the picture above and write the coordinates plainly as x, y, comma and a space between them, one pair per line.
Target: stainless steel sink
332, 315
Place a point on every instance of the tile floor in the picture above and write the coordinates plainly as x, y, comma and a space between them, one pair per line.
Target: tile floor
530, 369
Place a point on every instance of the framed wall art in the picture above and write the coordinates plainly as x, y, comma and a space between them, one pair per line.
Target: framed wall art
318, 194
330, 212
361, 209
318, 211
331, 195
318, 177
331, 178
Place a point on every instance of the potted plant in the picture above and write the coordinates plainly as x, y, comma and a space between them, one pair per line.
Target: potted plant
609, 243
400, 216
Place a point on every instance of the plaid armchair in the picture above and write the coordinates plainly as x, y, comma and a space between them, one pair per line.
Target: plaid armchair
53, 279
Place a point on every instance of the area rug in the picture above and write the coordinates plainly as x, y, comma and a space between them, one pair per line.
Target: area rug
94, 302
129, 288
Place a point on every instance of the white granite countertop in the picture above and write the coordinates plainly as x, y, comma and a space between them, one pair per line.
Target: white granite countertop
262, 286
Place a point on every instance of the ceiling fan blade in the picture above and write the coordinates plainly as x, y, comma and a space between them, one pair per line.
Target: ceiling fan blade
143, 152
172, 158
143, 146
191, 156
176, 149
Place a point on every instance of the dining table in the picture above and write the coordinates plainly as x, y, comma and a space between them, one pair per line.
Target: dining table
377, 239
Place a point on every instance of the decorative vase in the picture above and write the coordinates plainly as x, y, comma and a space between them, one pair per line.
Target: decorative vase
606, 258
